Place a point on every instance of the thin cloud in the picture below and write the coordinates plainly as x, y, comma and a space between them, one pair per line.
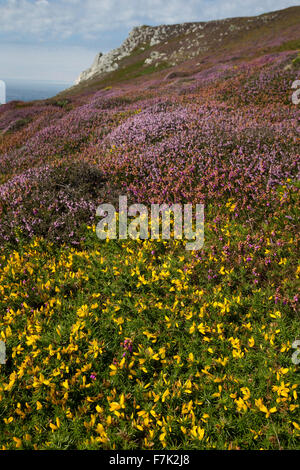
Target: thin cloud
63, 19
59, 38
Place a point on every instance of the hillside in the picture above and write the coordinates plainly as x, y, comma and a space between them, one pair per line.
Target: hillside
142, 344
195, 46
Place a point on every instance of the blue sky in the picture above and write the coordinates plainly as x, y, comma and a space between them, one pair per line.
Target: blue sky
57, 39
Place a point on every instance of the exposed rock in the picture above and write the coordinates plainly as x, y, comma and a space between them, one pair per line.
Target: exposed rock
155, 56
138, 37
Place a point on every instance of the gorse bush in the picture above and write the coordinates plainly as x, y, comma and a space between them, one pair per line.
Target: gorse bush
52, 202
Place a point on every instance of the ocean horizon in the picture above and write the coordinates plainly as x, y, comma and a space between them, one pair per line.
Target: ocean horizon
30, 90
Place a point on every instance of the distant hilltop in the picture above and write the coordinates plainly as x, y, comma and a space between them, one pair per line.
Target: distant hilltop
170, 45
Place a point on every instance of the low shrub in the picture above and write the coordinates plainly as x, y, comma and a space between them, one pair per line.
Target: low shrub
53, 202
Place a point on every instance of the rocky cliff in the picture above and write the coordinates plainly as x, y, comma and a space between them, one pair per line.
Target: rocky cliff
170, 45
140, 37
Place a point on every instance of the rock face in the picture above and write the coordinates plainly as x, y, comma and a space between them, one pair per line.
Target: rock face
103, 63
174, 44
140, 36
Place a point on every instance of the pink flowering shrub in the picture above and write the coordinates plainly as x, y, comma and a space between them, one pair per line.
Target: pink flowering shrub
229, 132
52, 202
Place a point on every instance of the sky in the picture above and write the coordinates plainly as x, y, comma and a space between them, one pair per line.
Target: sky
57, 39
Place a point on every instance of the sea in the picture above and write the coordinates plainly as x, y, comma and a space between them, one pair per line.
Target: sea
29, 90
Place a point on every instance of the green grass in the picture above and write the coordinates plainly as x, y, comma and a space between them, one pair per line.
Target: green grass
293, 45
122, 74
136, 69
